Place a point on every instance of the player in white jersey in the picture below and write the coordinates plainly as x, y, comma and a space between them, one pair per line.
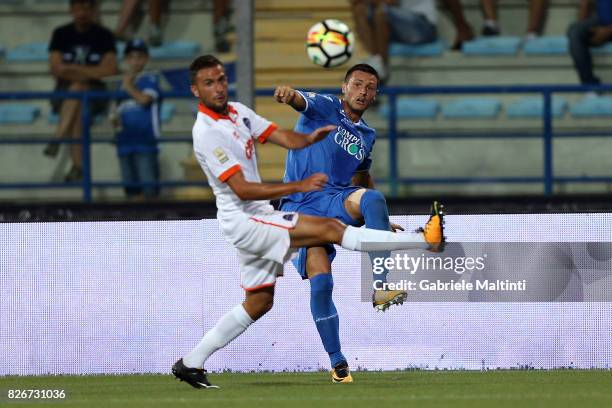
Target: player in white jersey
223, 137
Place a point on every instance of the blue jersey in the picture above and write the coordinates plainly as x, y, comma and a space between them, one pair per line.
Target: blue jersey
140, 127
345, 151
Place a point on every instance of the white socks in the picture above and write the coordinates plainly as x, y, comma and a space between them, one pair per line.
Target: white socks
365, 239
230, 326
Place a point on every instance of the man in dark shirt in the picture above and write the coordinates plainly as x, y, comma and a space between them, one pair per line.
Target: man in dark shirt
80, 54
593, 28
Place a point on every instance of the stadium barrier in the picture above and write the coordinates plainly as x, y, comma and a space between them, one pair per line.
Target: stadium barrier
547, 179
132, 297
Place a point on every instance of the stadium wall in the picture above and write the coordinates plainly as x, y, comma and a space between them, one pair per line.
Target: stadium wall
132, 297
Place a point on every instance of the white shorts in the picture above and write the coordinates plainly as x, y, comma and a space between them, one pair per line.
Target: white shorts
263, 245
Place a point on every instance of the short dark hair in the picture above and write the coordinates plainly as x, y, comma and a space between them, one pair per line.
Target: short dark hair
93, 3
363, 68
203, 61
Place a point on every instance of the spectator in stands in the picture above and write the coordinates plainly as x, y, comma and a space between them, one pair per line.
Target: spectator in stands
137, 124
593, 28
378, 22
129, 20
464, 31
222, 12
537, 15
80, 54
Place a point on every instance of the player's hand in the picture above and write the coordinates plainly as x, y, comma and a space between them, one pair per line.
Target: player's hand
320, 133
313, 183
396, 227
284, 94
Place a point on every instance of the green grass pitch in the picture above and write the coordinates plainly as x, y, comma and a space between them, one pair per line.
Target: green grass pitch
563, 388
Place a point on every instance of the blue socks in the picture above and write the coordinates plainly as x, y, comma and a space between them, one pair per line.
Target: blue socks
325, 316
376, 216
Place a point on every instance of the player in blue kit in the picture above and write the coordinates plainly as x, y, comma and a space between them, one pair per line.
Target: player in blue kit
349, 194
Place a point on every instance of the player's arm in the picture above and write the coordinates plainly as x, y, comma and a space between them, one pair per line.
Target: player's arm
246, 190
294, 140
287, 95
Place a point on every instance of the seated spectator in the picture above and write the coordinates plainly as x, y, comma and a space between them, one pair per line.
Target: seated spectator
137, 125
464, 31
537, 15
222, 12
379, 22
129, 20
80, 54
594, 27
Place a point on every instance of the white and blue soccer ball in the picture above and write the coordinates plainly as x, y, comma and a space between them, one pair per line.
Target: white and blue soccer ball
329, 43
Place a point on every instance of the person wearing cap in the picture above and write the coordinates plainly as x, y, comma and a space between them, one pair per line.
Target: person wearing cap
137, 124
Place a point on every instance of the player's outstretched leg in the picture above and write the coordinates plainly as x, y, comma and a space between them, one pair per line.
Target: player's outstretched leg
189, 368
315, 231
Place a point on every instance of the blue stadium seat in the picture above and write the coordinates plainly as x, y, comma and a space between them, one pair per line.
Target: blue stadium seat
592, 106
1, 50
472, 108
175, 50
604, 49
18, 113
413, 108
547, 45
433, 49
53, 118
492, 46
533, 107
32, 52
167, 111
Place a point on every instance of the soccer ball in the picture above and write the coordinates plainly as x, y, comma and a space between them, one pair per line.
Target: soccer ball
329, 43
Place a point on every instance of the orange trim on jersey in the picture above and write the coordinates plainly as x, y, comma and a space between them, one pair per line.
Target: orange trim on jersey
216, 115
266, 133
263, 285
229, 172
272, 224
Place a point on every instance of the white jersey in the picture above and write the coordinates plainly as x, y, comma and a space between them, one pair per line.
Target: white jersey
223, 145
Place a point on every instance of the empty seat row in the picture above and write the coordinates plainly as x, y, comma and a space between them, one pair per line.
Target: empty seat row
25, 113
496, 46
490, 108
38, 51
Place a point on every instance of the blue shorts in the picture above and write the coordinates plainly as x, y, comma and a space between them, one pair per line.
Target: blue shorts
328, 202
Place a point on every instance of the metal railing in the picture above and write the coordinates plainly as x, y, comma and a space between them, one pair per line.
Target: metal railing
547, 179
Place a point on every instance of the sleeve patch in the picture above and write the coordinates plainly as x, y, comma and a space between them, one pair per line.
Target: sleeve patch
220, 155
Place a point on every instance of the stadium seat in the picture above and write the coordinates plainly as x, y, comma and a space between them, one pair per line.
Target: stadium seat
53, 118
433, 49
492, 46
472, 108
178, 78
31, 52
547, 45
18, 113
1, 50
413, 108
533, 107
167, 112
175, 50
592, 106
604, 49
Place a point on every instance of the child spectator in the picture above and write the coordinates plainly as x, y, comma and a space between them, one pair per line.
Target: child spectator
138, 125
